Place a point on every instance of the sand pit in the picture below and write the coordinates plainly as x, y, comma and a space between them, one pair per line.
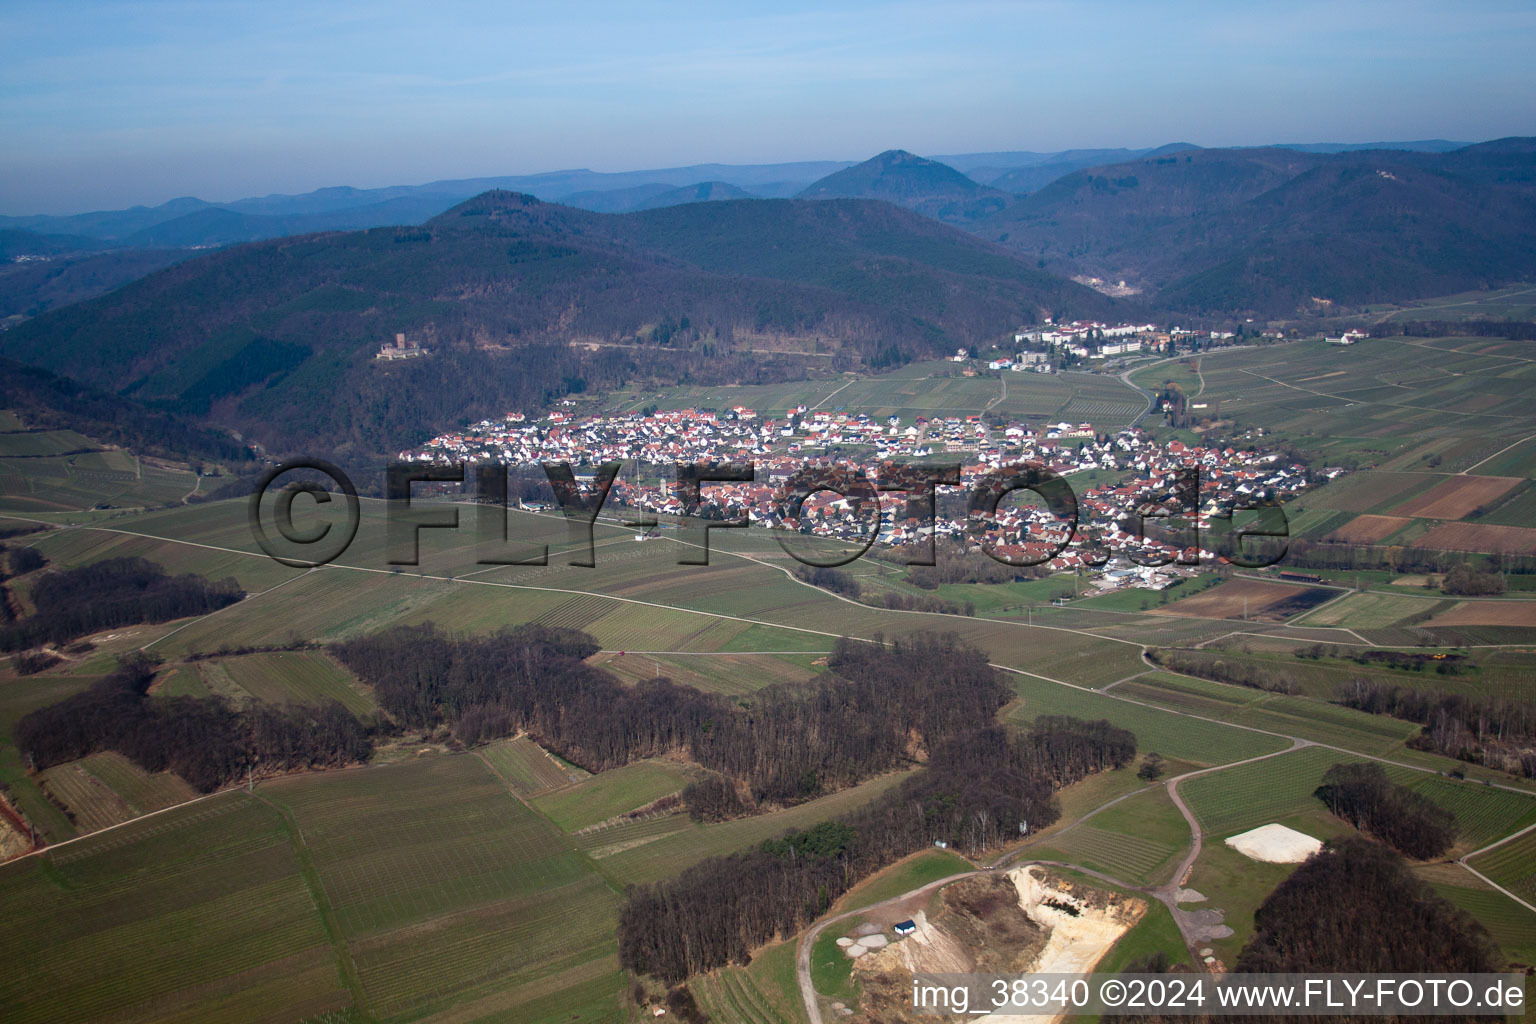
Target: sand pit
1275, 844
1081, 932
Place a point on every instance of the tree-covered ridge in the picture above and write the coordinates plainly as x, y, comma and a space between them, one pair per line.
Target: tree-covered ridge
113, 592
1356, 907
203, 740
879, 708
520, 302
981, 789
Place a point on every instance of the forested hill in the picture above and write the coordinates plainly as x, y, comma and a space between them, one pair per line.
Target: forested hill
46, 401
932, 188
1276, 231
519, 301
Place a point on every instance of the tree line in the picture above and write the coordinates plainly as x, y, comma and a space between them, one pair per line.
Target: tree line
113, 592
1355, 907
880, 707
203, 740
846, 584
1481, 730
1409, 822
981, 789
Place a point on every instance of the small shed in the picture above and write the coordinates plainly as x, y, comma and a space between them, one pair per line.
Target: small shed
905, 927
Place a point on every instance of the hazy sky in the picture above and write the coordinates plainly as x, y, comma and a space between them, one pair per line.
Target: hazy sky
105, 104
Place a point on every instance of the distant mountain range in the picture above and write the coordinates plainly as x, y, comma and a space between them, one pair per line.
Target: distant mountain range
519, 301
1267, 230
1276, 231
575, 188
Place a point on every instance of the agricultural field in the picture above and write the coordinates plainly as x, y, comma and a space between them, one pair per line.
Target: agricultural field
1512, 926
1367, 491
911, 872
1512, 865
1369, 609
763, 992
1457, 497
60, 470
1367, 529
1139, 840
1485, 537
719, 672
446, 890
297, 677
1518, 507
1249, 600
106, 789
608, 794
1487, 613
1517, 302
1405, 405
527, 768
1241, 798
1487, 672
1281, 789
202, 912
487, 884
1172, 735
686, 843
34, 443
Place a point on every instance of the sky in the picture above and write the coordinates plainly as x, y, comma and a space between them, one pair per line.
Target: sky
110, 104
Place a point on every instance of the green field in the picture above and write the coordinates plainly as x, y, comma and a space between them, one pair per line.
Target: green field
1155, 933
401, 890
485, 885
1282, 787
1172, 735
1512, 865
763, 992
107, 480
907, 874
526, 768
1397, 404
198, 914
298, 677
1241, 798
105, 789
1512, 926
679, 842
1368, 609
42, 442
1139, 840
609, 794
449, 891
